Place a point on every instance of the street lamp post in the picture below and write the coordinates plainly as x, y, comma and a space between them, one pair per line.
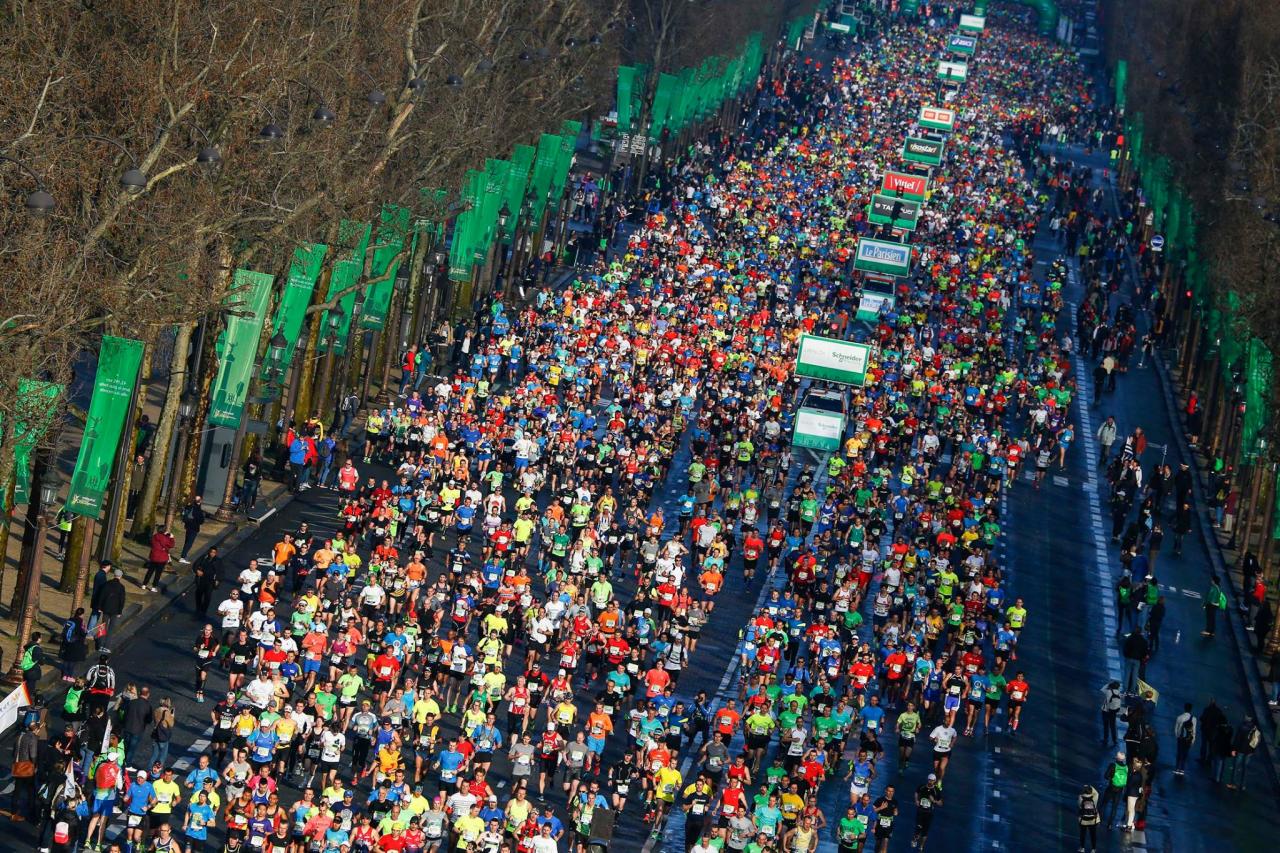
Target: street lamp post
331, 343
49, 487
500, 279
186, 408
275, 352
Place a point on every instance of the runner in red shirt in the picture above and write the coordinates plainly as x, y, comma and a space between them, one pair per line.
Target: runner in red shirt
1018, 689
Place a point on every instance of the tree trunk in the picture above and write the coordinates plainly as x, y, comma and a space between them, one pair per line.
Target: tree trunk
189, 468
306, 361
6, 500
30, 541
75, 548
145, 517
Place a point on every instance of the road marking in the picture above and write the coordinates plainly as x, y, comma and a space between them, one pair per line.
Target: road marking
1059, 480
1191, 593
1101, 563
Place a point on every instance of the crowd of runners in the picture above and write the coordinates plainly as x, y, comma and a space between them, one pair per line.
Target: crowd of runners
510, 591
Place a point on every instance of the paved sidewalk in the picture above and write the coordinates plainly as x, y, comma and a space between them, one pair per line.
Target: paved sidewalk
1188, 668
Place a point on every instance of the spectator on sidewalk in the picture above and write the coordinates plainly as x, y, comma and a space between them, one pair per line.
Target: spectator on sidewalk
251, 472
1246, 742
32, 665
73, 646
298, 464
325, 448
107, 604
137, 719
193, 519
1214, 600
137, 479
1262, 624
208, 573
347, 408
162, 543
1136, 650
1106, 437
1184, 729
26, 755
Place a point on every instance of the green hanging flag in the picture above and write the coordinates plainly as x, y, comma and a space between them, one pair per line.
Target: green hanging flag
626, 84
544, 172
353, 238
663, 98
238, 346
1122, 79
392, 231
104, 426
36, 406
517, 185
568, 142
291, 313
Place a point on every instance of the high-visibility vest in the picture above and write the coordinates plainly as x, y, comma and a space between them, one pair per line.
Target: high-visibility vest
1120, 776
72, 703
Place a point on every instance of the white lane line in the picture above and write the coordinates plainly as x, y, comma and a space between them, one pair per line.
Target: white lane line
1100, 573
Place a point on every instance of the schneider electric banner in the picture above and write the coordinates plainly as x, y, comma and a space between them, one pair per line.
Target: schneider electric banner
927, 151
118, 363
832, 359
818, 429
972, 23
883, 256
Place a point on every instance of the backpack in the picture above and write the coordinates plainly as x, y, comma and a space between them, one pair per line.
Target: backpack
70, 630
107, 774
325, 447
1187, 730
1088, 809
1254, 738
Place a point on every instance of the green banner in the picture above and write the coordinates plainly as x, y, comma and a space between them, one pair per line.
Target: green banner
627, 76
113, 384
392, 231
304, 272
35, 410
1122, 80
568, 143
544, 172
666, 92
517, 185
353, 237
238, 346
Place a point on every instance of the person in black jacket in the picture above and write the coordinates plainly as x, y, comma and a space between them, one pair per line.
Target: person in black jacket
73, 646
108, 604
208, 572
1210, 718
1135, 650
193, 518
